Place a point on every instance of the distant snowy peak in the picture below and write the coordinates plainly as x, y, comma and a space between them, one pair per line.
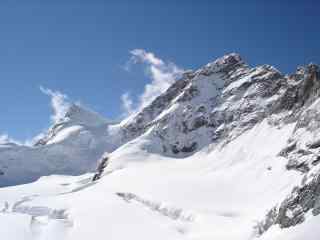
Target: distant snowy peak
80, 115
72, 145
75, 117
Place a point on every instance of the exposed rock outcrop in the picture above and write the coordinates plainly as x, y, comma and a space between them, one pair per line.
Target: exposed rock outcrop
294, 208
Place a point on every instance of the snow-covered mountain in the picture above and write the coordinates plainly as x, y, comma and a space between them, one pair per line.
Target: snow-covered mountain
229, 151
71, 146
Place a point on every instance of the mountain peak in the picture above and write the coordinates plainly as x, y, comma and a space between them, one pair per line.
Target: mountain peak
226, 61
77, 114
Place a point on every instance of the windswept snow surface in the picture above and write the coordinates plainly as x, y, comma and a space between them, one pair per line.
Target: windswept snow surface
217, 193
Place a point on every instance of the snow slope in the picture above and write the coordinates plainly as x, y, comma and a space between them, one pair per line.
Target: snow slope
150, 196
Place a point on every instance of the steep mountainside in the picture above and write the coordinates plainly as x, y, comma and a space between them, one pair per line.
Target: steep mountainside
215, 103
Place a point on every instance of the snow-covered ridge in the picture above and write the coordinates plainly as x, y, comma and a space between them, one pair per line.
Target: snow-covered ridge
224, 63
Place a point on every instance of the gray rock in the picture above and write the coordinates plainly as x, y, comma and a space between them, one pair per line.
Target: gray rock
293, 209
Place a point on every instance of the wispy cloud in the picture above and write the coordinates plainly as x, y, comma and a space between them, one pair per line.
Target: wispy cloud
127, 103
59, 103
161, 73
4, 138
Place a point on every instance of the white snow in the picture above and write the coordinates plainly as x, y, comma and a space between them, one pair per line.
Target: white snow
65, 133
215, 194
308, 230
237, 84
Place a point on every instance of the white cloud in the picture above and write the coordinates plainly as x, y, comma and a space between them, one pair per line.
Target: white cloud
59, 103
4, 138
127, 103
145, 57
162, 74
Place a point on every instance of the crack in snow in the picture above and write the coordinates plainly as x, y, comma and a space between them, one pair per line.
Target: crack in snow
167, 211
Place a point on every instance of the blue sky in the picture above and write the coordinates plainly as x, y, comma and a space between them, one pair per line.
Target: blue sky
81, 48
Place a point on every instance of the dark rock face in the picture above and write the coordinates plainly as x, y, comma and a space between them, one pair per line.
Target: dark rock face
266, 223
143, 120
303, 88
301, 100
184, 149
102, 164
293, 209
